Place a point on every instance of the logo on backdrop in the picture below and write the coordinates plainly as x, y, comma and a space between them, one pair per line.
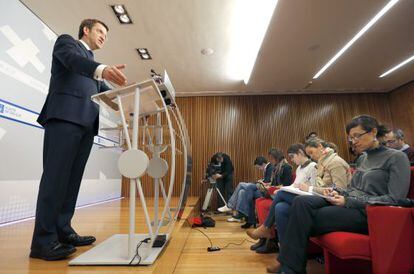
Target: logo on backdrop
16, 113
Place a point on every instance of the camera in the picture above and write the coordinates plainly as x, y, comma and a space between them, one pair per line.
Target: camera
212, 169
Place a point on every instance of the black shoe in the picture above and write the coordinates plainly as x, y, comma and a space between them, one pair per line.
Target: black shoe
239, 216
76, 240
248, 225
269, 247
54, 251
260, 243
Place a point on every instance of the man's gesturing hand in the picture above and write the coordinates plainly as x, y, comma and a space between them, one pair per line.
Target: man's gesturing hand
115, 75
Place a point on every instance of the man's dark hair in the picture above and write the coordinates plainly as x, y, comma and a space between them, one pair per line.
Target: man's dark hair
310, 135
260, 160
296, 149
219, 155
89, 23
368, 123
399, 134
277, 154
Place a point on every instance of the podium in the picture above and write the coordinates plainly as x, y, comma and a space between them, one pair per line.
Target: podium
147, 110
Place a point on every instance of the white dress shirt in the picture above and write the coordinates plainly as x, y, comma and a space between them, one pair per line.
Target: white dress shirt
98, 72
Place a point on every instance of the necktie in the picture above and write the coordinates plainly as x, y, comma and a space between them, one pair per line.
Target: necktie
91, 54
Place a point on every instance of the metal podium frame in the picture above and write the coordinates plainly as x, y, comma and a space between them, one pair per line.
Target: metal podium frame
144, 100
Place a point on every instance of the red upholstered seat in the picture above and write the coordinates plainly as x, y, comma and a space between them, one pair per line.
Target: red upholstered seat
262, 208
345, 244
389, 248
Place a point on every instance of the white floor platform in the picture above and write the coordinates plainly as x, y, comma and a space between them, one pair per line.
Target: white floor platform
114, 251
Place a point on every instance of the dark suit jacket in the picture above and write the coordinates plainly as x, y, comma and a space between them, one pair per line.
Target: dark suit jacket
72, 85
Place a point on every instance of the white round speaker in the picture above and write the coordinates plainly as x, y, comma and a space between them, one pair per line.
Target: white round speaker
157, 168
133, 163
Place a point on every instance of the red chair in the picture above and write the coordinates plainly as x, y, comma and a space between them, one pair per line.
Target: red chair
262, 208
388, 249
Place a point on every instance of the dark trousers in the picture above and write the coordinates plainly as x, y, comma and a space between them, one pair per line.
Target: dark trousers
65, 152
252, 194
279, 212
311, 216
225, 186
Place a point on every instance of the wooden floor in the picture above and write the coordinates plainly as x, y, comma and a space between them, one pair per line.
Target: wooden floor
185, 253
233, 259
102, 221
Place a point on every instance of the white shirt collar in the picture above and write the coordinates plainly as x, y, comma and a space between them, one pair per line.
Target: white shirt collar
84, 44
404, 147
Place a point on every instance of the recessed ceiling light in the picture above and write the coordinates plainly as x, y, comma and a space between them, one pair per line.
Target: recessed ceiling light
144, 54
207, 51
124, 18
119, 9
356, 37
406, 61
122, 14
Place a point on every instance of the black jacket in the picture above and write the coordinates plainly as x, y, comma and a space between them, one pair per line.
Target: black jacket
227, 168
268, 173
72, 85
282, 175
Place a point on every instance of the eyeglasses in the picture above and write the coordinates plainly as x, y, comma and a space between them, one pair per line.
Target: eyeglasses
357, 136
391, 142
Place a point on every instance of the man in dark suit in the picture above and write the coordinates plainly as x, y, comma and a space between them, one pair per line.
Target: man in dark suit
71, 121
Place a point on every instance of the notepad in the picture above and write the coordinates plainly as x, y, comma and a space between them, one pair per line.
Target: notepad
297, 191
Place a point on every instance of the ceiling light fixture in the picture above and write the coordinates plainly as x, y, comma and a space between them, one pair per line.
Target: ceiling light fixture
247, 35
406, 61
207, 51
357, 36
119, 9
122, 14
124, 18
144, 54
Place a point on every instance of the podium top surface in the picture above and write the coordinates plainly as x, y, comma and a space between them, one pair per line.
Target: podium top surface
149, 96
144, 85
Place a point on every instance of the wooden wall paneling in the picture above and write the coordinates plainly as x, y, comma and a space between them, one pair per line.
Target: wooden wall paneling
402, 110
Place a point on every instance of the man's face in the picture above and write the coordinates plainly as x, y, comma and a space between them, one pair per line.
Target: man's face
96, 36
220, 159
391, 141
261, 167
